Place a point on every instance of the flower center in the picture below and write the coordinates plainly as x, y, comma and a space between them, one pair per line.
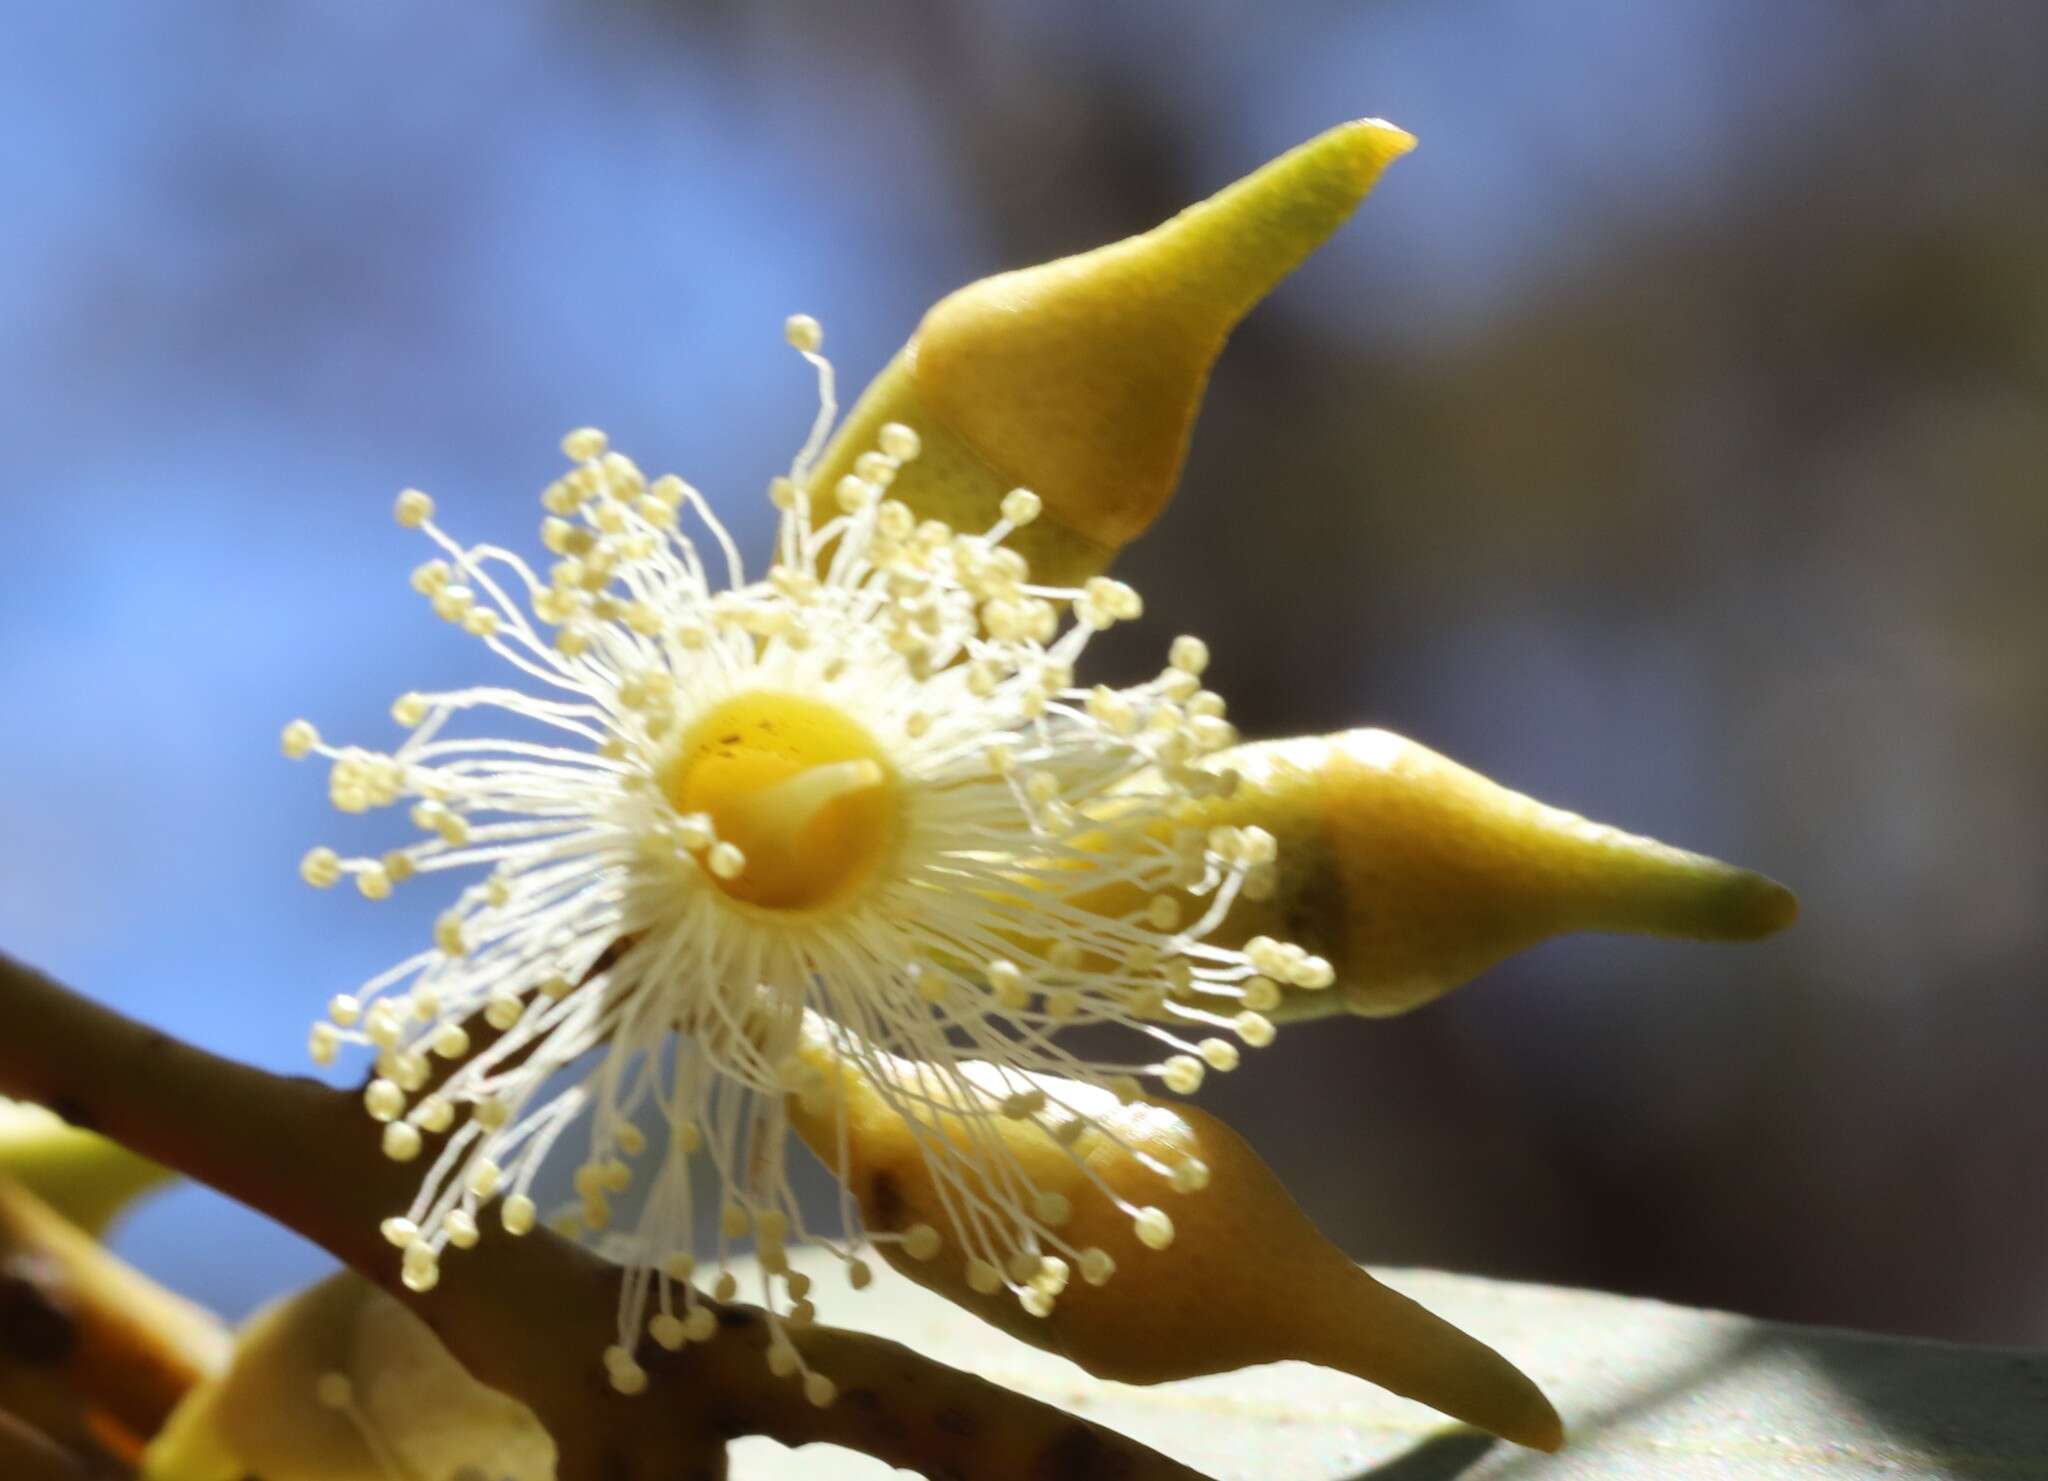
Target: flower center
802, 791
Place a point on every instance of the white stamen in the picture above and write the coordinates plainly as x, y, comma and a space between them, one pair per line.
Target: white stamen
605, 923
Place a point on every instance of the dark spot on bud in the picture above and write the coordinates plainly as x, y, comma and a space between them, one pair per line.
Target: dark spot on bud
76, 1112
885, 1201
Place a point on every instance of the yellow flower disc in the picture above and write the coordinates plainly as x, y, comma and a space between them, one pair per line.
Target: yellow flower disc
799, 788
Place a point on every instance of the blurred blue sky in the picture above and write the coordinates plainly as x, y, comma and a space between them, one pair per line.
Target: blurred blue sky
265, 265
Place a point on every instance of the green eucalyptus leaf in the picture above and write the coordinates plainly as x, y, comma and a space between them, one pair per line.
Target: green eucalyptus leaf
1647, 1391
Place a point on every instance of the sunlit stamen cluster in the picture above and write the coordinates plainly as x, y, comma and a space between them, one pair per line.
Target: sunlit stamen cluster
1032, 854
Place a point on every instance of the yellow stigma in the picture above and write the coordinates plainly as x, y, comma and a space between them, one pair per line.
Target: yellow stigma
798, 788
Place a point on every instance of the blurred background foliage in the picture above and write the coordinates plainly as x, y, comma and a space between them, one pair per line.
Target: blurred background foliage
1667, 438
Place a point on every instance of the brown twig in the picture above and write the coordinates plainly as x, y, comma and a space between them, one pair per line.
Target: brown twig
528, 1316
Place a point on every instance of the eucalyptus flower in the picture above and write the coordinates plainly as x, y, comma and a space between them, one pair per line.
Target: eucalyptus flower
869, 785
733, 841
868, 790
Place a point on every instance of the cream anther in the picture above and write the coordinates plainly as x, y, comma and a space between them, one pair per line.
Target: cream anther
383, 1099
435, 1114
483, 1180
899, 441
413, 509
804, 333
399, 1232
584, 445
1261, 994
419, 1269
1182, 1074
1154, 1228
1191, 1176
1021, 506
323, 1041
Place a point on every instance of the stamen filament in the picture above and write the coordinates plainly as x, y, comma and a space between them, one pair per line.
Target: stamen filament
859, 807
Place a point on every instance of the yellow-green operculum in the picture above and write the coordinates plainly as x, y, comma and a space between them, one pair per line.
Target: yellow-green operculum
865, 792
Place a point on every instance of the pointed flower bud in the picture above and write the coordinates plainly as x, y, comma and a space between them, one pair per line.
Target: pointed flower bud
1080, 379
1157, 1245
86, 1178
1411, 874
